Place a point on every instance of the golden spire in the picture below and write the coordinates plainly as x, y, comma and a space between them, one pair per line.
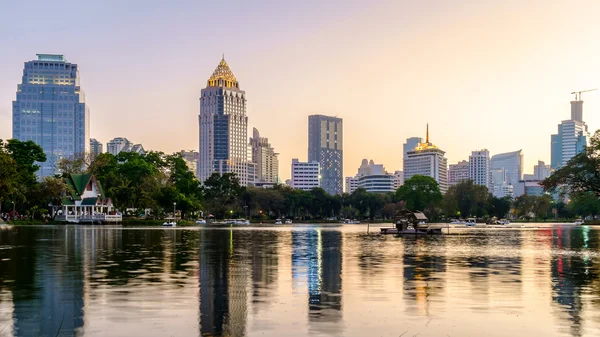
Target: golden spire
427, 136
223, 76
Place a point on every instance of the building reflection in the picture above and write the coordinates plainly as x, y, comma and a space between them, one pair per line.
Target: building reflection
264, 266
319, 253
573, 273
47, 291
422, 270
225, 274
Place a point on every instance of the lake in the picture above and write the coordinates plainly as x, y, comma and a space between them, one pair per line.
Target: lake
300, 280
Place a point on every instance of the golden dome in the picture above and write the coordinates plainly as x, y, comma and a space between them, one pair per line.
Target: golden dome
223, 76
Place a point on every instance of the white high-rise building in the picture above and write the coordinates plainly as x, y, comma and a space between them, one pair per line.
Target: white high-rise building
398, 179
305, 175
541, 171
372, 177
351, 184
265, 158
121, 144
458, 172
503, 190
479, 168
428, 160
223, 142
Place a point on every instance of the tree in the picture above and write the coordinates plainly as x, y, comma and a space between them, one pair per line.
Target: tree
8, 175
420, 193
584, 204
221, 190
499, 207
52, 190
25, 154
467, 198
582, 172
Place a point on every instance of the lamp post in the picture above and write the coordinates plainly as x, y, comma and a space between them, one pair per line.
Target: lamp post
174, 210
246, 211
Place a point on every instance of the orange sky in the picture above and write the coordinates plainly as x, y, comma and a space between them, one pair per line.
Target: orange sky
483, 74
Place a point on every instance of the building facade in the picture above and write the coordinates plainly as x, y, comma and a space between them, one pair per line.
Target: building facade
372, 177
572, 137
541, 171
122, 144
191, 159
398, 179
95, 147
265, 158
507, 168
503, 190
529, 187
50, 110
223, 124
325, 146
427, 160
479, 168
305, 175
458, 172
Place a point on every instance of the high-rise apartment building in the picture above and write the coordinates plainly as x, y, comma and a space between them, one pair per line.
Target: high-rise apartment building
541, 171
223, 142
411, 143
572, 137
50, 110
305, 175
479, 168
458, 172
398, 179
428, 160
122, 144
265, 159
351, 184
95, 147
325, 146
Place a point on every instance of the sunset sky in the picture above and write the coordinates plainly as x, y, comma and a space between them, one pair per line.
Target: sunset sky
483, 74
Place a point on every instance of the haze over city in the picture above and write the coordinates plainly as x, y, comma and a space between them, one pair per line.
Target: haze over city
495, 75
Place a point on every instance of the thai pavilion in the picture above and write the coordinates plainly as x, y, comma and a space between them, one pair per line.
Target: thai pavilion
85, 201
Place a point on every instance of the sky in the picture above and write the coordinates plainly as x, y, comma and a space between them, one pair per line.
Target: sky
483, 74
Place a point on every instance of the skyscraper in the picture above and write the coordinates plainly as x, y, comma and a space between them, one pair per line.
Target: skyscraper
50, 110
372, 177
223, 145
121, 144
265, 159
305, 175
428, 160
572, 137
507, 168
479, 168
325, 146
95, 147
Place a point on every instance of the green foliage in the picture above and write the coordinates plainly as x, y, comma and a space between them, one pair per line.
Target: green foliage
420, 193
533, 207
25, 154
467, 198
584, 204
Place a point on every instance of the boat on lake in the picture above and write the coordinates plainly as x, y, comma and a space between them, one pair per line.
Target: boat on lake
200, 222
278, 222
579, 222
351, 222
288, 221
170, 222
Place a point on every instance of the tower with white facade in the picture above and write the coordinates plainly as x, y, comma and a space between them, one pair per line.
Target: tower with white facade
428, 160
223, 124
479, 168
265, 159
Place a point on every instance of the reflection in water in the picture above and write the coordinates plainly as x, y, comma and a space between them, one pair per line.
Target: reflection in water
102, 281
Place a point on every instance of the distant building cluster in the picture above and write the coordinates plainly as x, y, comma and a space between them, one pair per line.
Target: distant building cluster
50, 109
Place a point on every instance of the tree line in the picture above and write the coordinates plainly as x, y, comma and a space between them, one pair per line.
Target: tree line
156, 180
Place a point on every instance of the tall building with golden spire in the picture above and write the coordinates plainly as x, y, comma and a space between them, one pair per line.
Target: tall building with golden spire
428, 160
223, 142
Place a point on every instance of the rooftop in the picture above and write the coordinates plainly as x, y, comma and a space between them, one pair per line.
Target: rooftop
223, 76
51, 57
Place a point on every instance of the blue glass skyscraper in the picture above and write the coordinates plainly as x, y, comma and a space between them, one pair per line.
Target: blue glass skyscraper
50, 110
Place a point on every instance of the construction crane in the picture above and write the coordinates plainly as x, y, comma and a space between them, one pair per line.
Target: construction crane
578, 93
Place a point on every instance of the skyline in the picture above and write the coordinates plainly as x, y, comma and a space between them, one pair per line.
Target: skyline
376, 67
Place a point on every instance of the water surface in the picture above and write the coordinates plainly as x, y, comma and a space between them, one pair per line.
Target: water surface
298, 281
